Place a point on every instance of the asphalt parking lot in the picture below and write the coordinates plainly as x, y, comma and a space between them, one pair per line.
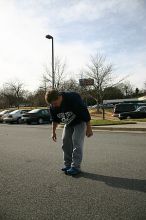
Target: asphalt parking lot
111, 187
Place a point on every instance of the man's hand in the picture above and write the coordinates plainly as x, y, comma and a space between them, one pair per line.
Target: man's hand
89, 131
54, 137
54, 126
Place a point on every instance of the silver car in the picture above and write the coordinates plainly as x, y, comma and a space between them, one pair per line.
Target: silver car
15, 116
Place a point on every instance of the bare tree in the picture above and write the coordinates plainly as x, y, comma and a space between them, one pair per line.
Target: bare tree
126, 88
14, 91
145, 86
59, 71
3, 100
69, 85
101, 72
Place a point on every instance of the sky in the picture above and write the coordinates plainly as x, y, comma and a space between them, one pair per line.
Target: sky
81, 29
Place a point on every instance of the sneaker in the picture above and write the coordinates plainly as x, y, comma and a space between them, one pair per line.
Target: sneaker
65, 169
73, 171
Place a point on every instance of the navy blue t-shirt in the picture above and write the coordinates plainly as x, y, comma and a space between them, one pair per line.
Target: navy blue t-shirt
72, 110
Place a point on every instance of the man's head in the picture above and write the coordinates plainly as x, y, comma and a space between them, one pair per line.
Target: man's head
53, 97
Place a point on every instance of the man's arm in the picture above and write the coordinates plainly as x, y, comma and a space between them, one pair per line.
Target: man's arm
55, 122
89, 131
54, 126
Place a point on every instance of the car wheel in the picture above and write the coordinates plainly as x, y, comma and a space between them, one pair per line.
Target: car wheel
19, 121
40, 121
28, 123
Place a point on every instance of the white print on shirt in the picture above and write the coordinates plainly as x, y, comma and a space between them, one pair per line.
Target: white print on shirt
66, 117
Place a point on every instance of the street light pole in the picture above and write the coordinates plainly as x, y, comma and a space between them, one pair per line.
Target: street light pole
53, 73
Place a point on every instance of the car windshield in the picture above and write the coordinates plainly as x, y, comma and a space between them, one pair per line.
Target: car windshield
3, 112
15, 111
34, 111
142, 108
124, 107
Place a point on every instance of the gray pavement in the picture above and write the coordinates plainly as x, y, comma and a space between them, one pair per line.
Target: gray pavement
111, 187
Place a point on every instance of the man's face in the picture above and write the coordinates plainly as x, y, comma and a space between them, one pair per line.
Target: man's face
57, 102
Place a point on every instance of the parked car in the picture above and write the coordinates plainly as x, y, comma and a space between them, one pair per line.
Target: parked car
3, 114
138, 113
123, 107
108, 105
39, 116
95, 106
15, 116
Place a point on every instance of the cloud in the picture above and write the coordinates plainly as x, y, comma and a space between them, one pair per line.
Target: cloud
93, 10
22, 45
80, 29
131, 65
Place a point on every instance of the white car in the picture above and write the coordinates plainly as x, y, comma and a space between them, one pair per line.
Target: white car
3, 114
14, 116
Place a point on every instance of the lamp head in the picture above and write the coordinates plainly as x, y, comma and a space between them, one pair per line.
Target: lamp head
49, 36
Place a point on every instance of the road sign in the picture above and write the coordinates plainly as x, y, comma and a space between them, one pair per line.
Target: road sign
86, 82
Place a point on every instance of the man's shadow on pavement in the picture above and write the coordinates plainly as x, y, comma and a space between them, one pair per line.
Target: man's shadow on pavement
118, 182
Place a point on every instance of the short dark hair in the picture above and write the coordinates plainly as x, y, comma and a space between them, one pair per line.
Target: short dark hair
51, 95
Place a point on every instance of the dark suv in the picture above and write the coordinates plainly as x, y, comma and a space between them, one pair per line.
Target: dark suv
123, 107
39, 116
138, 113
